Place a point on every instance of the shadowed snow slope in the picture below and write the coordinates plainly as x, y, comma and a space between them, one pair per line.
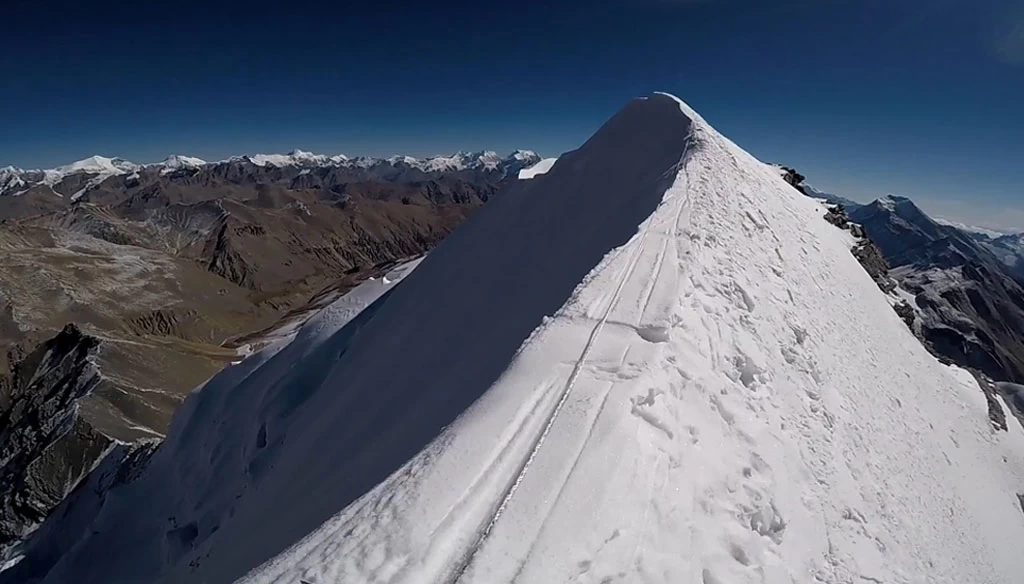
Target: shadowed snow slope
654, 363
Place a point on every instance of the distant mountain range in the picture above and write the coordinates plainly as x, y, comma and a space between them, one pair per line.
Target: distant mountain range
97, 169
171, 271
1007, 246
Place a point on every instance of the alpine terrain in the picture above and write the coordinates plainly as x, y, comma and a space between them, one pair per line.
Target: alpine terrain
962, 287
168, 272
655, 362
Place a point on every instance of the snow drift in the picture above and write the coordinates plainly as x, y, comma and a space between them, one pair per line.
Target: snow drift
655, 362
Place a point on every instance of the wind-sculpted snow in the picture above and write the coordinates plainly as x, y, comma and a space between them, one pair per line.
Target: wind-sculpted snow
654, 363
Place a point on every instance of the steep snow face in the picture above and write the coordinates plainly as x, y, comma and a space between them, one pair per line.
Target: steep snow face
656, 362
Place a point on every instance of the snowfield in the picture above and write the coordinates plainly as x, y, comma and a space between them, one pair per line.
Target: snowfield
538, 169
654, 363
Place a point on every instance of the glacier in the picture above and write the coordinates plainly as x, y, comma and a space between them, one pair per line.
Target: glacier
656, 362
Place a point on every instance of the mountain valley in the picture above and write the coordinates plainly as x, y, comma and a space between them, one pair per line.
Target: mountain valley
170, 272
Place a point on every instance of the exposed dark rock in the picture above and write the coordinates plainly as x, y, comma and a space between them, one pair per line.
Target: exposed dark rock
121, 466
793, 177
971, 305
995, 410
870, 256
45, 447
907, 313
223, 260
836, 215
1013, 397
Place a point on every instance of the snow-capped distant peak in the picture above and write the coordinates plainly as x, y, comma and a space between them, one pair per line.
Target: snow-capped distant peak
524, 155
409, 160
10, 179
95, 165
177, 162
293, 158
98, 168
489, 159
887, 202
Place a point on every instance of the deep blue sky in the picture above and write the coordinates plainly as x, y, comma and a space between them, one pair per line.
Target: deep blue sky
921, 98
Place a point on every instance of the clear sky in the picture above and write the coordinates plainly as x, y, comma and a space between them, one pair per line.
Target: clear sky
917, 97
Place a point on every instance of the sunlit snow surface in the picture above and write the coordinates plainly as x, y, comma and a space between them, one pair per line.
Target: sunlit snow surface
719, 394
538, 169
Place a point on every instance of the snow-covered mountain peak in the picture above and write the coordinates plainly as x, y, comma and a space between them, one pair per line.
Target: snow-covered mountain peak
488, 159
176, 162
97, 168
400, 159
294, 158
889, 201
524, 155
698, 383
904, 208
10, 179
96, 165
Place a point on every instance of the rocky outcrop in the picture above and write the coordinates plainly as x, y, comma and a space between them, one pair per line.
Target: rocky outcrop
865, 250
223, 260
969, 301
121, 466
794, 178
45, 447
874, 263
995, 410
836, 215
906, 312
941, 267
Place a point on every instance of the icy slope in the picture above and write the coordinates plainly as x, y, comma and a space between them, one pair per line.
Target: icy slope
719, 394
